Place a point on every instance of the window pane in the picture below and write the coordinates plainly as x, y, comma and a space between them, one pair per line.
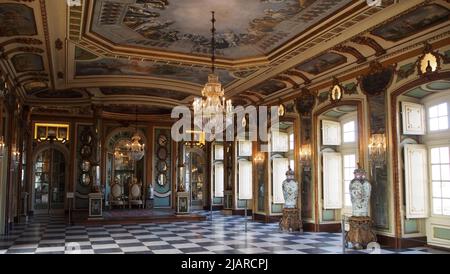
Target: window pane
436, 172
446, 206
292, 164
350, 126
444, 153
348, 174
352, 160
349, 137
433, 112
445, 189
347, 186
435, 153
445, 172
347, 200
442, 109
291, 142
437, 206
443, 122
434, 124
437, 189
346, 160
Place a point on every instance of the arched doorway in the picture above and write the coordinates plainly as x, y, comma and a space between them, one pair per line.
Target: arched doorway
49, 179
195, 162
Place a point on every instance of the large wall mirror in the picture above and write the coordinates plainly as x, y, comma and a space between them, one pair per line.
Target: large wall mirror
121, 169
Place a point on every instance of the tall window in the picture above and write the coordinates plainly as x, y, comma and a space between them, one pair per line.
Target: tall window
438, 117
291, 141
349, 167
349, 132
440, 177
291, 151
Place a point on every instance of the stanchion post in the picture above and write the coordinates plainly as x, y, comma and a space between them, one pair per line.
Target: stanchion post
343, 234
246, 201
211, 206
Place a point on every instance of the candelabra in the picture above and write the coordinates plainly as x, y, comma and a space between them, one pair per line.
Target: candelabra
377, 149
305, 154
2, 146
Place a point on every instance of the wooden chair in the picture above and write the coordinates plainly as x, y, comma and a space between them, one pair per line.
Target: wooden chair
135, 194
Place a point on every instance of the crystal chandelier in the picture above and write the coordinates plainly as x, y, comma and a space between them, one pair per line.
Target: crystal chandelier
137, 150
212, 107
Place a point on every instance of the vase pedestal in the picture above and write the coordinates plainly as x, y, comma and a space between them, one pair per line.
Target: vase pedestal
291, 220
360, 233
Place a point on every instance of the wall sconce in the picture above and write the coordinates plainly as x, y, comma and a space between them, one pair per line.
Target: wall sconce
2, 146
377, 149
305, 153
16, 156
259, 158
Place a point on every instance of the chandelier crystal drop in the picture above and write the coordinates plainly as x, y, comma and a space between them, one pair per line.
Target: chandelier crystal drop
212, 108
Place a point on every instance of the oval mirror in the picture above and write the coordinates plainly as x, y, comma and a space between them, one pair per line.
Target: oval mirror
162, 166
162, 140
85, 166
162, 153
85, 179
162, 179
86, 151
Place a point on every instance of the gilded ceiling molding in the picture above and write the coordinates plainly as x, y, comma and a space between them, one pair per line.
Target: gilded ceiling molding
22, 49
254, 94
287, 79
21, 40
47, 40
300, 74
25, 79
367, 41
352, 51
75, 21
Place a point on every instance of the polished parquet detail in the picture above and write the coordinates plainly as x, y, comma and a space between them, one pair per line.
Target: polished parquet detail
224, 235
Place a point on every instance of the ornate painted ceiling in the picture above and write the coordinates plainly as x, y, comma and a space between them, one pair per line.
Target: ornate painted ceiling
156, 52
245, 28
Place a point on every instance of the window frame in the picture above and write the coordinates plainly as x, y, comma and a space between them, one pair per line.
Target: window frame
438, 117
345, 190
430, 180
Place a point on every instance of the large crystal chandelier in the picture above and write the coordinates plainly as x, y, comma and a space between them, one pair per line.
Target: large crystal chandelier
137, 150
212, 107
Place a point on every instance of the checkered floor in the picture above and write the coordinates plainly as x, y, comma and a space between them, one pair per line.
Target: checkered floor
224, 235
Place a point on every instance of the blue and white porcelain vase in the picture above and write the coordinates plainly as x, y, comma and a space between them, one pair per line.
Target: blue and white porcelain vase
360, 189
290, 190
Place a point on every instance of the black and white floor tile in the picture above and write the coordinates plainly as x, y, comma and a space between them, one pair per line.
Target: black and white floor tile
223, 235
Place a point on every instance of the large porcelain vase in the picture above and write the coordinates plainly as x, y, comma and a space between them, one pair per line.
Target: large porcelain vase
290, 190
360, 189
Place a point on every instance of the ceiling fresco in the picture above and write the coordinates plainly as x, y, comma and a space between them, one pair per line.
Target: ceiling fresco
58, 94
245, 28
110, 66
155, 92
269, 87
149, 110
16, 19
413, 22
322, 63
24, 62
